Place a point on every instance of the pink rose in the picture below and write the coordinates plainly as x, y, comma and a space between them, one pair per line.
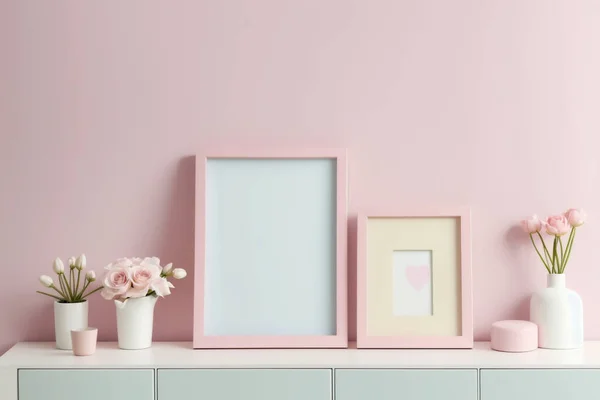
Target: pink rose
557, 225
142, 277
576, 216
116, 282
532, 225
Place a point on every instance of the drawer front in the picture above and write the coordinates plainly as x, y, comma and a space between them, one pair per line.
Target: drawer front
88, 384
551, 384
244, 384
394, 384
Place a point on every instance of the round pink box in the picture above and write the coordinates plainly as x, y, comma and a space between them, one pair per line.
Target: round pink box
514, 336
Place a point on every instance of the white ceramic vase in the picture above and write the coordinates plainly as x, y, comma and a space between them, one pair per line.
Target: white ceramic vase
135, 319
68, 316
558, 313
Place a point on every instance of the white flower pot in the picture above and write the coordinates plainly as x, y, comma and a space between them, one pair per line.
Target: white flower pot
135, 318
558, 313
68, 316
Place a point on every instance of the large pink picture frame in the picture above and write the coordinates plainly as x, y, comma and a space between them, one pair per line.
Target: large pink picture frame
337, 340
462, 340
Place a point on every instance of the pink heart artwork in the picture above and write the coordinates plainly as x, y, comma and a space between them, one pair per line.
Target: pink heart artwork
418, 276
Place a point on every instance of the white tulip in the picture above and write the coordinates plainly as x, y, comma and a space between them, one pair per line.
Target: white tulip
179, 273
46, 281
167, 269
71, 261
58, 266
90, 276
80, 262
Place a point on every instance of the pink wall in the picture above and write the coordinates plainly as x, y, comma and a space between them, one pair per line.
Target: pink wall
103, 104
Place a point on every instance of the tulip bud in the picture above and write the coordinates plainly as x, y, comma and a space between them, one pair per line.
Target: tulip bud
532, 225
58, 266
179, 273
167, 269
80, 262
576, 217
46, 281
557, 225
71, 261
90, 276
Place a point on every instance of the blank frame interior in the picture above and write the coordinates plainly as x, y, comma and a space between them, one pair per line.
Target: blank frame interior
270, 235
270, 250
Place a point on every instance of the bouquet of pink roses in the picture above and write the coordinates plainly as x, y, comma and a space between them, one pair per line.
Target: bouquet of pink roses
138, 277
555, 259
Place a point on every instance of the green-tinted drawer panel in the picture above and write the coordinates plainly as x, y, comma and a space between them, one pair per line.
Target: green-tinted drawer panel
86, 384
244, 384
405, 384
531, 384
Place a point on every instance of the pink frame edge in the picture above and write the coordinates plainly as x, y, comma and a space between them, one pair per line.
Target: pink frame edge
340, 339
465, 340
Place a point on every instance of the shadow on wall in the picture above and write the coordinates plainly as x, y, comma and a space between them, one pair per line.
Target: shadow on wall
173, 244
519, 245
174, 314
352, 227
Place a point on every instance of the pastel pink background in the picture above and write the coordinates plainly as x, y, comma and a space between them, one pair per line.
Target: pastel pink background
103, 104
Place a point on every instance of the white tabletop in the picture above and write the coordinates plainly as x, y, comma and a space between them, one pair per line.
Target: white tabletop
182, 355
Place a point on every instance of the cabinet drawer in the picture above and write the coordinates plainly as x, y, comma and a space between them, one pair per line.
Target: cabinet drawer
394, 384
88, 384
550, 384
244, 384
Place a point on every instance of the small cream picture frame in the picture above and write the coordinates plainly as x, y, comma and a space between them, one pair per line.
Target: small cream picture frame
414, 280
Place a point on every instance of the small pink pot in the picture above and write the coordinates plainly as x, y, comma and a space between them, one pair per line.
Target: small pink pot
84, 341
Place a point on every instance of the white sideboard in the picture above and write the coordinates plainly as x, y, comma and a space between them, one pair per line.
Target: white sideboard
175, 371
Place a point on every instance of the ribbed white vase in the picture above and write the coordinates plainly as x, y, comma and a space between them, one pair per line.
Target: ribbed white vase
558, 313
68, 316
135, 319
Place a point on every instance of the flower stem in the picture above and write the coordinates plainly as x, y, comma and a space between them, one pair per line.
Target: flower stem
554, 255
68, 291
62, 289
48, 294
562, 254
546, 252
72, 282
77, 294
68, 283
569, 248
93, 291
538, 252
85, 285
58, 291
570, 241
